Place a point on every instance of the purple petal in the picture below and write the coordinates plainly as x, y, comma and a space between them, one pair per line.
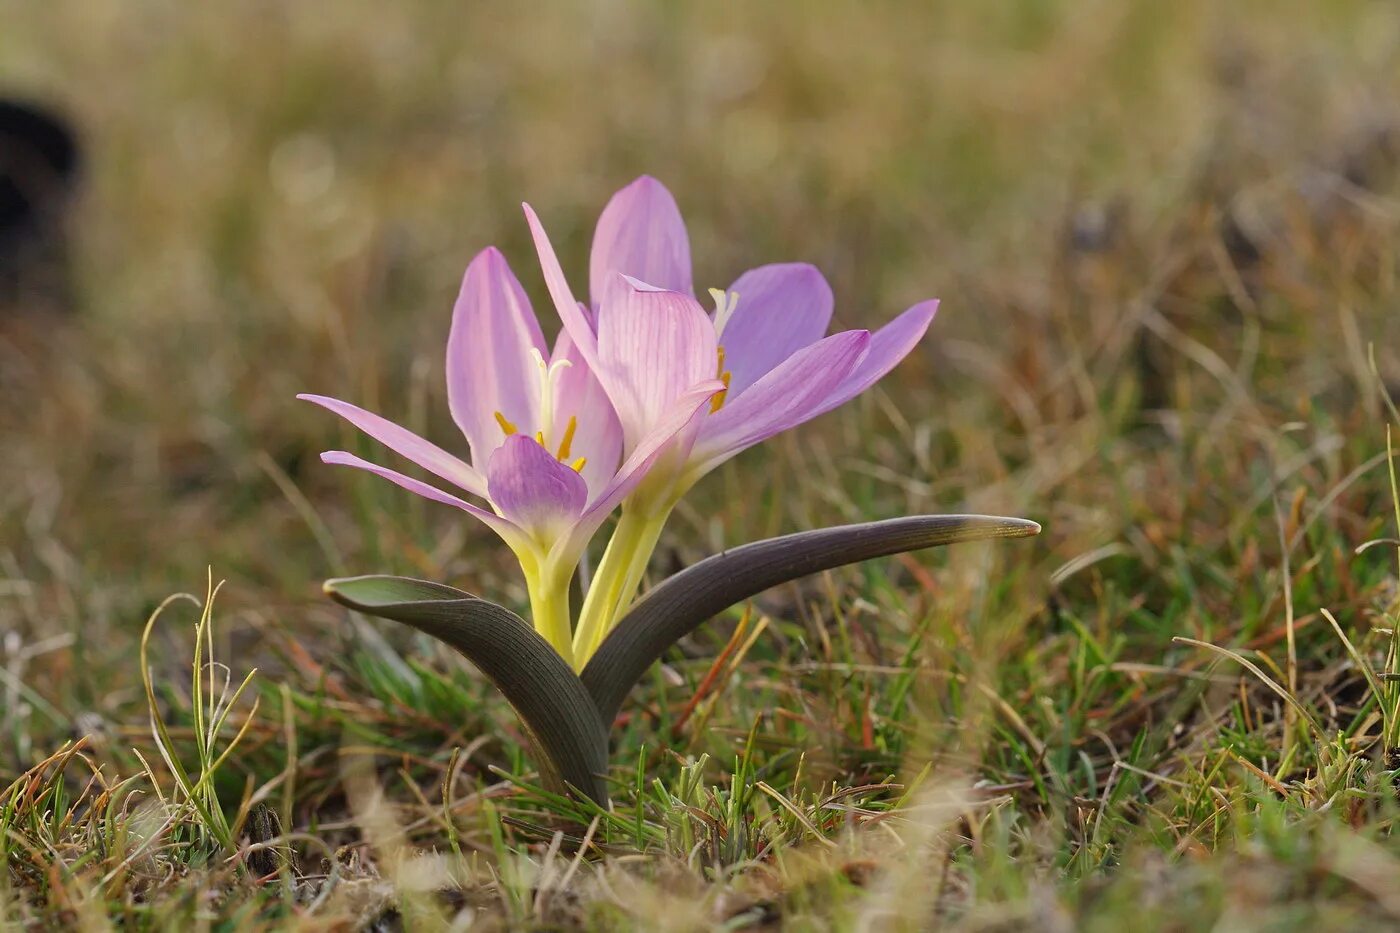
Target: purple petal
489, 366
406, 444
571, 313
653, 346
888, 346
640, 233
782, 308
792, 392
509, 532
533, 489
597, 434
653, 445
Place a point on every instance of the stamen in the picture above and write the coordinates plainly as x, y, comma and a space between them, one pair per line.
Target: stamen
717, 402
566, 444
539, 438
579, 464
506, 426
724, 375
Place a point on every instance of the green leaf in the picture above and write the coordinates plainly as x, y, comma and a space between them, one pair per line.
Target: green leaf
678, 605
548, 696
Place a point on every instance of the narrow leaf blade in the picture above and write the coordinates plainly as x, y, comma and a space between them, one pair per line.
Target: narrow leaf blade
548, 696
683, 602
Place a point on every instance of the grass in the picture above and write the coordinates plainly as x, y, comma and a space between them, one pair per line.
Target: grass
1164, 237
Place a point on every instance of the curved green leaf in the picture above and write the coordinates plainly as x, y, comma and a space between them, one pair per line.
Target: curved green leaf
545, 692
678, 605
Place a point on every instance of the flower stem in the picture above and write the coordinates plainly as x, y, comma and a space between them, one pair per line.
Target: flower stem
549, 609
619, 575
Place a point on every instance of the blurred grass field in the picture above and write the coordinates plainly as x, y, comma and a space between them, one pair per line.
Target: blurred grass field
1165, 239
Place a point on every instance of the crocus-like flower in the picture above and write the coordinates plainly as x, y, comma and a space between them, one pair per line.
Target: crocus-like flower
643, 394
544, 441
652, 340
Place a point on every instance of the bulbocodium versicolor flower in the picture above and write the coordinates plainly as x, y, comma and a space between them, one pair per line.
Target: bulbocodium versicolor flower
643, 393
544, 441
766, 340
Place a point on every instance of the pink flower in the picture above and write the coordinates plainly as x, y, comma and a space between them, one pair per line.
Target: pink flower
648, 340
766, 338
544, 440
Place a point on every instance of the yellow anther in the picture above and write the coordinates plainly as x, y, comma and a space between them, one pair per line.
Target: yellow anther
578, 464
539, 438
718, 401
506, 426
567, 442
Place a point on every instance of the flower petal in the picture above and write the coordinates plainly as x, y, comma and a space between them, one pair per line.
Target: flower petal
656, 442
597, 435
571, 313
533, 489
888, 346
782, 308
509, 531
489, 366
640, 233
653, 346
792, 392
406, 444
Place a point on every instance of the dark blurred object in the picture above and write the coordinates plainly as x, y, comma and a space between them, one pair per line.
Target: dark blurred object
1096, 228
39, 167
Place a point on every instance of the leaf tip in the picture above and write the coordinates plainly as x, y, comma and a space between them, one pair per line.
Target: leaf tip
334, 589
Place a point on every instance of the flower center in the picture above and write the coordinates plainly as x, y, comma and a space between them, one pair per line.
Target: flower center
549, 374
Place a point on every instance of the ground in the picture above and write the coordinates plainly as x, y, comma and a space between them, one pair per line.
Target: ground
1164, 236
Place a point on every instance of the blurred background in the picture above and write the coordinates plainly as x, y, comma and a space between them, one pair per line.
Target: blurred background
1163, 235
277, 198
